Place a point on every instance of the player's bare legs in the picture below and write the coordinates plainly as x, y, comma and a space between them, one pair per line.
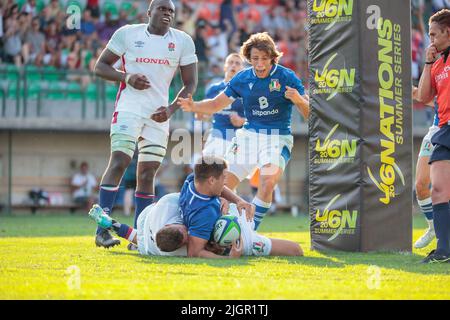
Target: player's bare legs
270, 175
423, 193
282, 247
118, 163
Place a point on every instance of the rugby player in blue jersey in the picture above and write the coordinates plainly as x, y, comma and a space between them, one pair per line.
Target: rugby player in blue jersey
227, 121
268, 91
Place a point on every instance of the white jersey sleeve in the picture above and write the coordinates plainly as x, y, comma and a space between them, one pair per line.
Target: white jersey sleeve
154, 218
188, 55
253, 244
117, 44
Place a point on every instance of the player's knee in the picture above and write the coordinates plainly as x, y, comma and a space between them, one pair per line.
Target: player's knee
147, 173
439, 193
268, 184
119, 164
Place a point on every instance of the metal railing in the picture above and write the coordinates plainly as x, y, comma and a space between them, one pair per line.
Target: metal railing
15, 89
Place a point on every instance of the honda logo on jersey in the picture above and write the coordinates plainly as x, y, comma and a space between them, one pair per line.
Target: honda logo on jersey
153, 61
139, 44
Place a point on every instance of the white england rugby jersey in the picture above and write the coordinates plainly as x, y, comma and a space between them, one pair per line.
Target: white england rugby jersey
156, 217
157, 57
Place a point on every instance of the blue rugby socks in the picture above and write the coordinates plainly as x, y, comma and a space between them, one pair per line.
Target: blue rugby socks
261, 210
107, 196
143, 200
426, 207
441, 215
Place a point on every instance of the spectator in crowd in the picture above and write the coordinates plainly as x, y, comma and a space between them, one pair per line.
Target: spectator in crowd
34, 47
93, 7
13, 43
84, 185
201, 47
227, 20
187, 19
30, 8
87, 24
218, 46
107, 28
54, 9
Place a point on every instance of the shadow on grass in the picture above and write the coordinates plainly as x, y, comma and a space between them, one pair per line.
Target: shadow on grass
243, 261
389, 260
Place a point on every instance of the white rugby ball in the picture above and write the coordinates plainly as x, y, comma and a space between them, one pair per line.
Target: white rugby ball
226, 230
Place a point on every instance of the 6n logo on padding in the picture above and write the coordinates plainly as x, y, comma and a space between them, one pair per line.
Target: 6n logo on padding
335, 151
333, 8
336, 222
334, 81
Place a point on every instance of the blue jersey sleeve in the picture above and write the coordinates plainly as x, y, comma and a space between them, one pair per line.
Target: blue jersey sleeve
201, 225
232, 89
211, 92
296, 83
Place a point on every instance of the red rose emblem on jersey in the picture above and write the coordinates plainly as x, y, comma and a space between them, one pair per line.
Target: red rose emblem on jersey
171, 46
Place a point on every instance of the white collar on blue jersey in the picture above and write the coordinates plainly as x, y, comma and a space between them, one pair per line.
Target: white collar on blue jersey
198, 195
274, 68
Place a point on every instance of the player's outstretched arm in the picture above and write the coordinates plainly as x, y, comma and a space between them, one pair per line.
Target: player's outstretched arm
105, 70
301, 102
197, 249
207, 106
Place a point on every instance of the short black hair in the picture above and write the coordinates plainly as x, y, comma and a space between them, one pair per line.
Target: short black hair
209, 166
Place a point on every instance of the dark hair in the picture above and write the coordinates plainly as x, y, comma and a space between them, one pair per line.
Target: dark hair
169, 239
442, 18
209, 166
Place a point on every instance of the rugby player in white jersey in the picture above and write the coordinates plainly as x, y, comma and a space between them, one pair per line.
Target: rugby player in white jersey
161, 232
150, 55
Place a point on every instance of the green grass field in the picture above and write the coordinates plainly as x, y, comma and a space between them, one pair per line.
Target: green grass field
54, 257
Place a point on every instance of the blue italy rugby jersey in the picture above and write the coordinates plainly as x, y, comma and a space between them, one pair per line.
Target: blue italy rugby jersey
199, 212
265, 106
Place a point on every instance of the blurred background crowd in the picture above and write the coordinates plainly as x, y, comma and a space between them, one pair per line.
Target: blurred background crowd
35, 31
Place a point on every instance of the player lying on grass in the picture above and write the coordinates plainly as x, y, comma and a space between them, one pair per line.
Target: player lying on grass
161, 232
183, 224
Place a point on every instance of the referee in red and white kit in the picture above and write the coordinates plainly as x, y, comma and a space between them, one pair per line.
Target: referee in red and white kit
435, 82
